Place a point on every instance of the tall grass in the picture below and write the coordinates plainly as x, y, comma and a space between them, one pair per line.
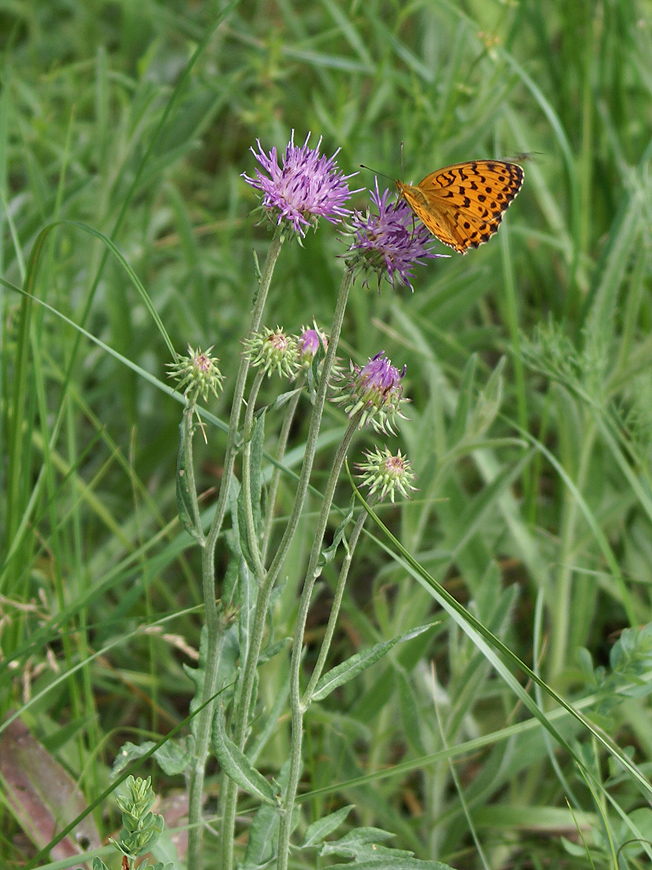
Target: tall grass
124, 130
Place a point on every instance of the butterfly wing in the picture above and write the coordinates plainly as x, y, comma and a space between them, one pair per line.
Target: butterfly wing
463, 205
434, 218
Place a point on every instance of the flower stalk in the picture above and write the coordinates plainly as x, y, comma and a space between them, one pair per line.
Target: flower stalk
295, 193
374, 395
335, 608
284, 434
298, 705
214, 625
265, 590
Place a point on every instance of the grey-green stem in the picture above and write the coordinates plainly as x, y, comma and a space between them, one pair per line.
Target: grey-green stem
213, 627
296, 706
189, 469
262, 602
253, 541
276, 474
335, 609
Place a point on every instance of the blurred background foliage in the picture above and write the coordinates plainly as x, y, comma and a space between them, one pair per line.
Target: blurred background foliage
534, 504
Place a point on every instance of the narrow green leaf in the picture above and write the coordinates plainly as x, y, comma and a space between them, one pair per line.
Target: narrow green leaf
230, 581
263, 833
246, 594
259, 274
359, 662
464, 401
279, 401
240, 528
313, 372
360, 842
320, 829
366, 847
237, 766
274, 649
251, 499
228, 653
328, 554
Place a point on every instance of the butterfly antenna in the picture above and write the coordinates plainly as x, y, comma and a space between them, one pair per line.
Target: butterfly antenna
402, 167
382, 174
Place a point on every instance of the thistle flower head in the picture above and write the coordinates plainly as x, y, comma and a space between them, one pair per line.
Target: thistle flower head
274, 351
389, 243
308, 344
306, 186
197, 374
386, 474
375, 392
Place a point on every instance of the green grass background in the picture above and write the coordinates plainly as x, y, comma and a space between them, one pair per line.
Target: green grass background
534, 505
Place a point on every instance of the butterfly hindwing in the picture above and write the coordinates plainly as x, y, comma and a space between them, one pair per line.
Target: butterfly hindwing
436, 221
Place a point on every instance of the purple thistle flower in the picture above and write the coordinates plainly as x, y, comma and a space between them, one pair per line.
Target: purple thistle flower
375, 390
308, 343
306, 186
389, 243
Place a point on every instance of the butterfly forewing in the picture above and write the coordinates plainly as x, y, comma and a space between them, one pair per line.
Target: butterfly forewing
463, 205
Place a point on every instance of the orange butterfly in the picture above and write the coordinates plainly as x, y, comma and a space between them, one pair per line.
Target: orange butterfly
462, 205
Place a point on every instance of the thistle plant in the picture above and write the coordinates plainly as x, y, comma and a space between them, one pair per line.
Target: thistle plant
295, 193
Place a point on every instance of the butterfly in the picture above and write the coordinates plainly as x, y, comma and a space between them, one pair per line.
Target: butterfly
463, 205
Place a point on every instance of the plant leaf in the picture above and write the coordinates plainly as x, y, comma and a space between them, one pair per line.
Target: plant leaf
328, 554
237, 766
365, 846
359, 662
320, 829
172, 758
263, 834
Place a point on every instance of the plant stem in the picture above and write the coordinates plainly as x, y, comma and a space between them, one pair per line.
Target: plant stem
252, 538
315, 424
296, 704
335, 609
229, 791
251, 662
276, 474
262, 601
189, 471
213, 629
